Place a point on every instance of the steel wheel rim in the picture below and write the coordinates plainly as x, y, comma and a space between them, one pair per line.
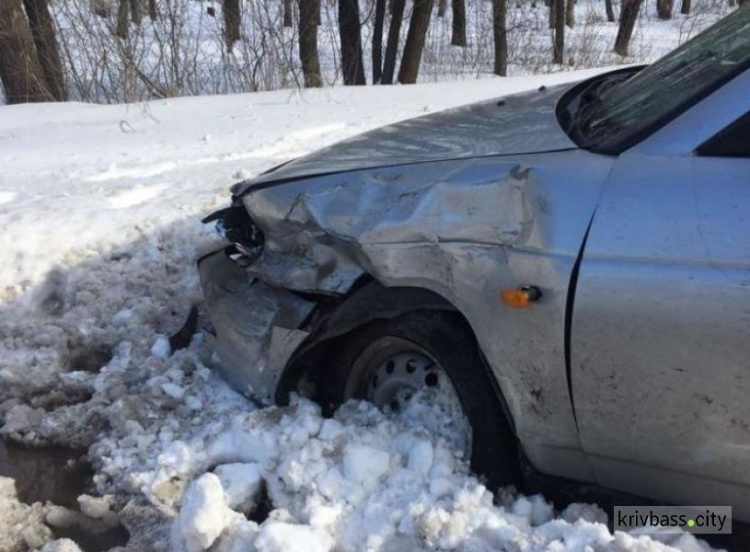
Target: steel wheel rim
392, 371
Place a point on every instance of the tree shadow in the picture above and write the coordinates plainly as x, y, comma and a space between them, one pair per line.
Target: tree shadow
74, 320
76, 359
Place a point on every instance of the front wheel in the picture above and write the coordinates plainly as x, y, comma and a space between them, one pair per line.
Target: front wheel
432, 354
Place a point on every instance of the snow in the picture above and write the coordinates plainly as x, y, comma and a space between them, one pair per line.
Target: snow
204, 515
365, 465
62, 545
242, 484
420, 457
21, 526
161, 349
287, 537
6, 197
171, 389
95, 507
100, 233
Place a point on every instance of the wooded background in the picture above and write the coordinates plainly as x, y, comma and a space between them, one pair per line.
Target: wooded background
133, 50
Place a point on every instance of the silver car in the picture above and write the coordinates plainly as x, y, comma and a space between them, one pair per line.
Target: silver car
571, 265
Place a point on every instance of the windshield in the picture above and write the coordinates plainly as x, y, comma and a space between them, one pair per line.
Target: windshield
613, 117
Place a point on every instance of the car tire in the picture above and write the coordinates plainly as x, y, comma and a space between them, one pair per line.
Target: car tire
445, 338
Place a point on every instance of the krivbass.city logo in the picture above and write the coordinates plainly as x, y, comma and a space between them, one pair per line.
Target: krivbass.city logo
666, 519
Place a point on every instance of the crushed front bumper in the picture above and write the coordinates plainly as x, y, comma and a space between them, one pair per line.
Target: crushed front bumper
256, 327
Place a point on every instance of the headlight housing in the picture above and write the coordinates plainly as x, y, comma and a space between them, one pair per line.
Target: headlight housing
235, 225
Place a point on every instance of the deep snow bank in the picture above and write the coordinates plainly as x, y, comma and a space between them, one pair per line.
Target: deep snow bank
100, 209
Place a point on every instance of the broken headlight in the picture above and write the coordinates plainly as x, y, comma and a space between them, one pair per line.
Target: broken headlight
235, 225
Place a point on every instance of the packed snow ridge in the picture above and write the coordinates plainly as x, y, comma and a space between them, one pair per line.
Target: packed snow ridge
100, 231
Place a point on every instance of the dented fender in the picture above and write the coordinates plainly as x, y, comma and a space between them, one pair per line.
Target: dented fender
318, 232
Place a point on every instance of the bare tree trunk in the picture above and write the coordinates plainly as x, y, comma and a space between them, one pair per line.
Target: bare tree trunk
377, 42
664, 9
121, 30
412, 56
732, 3
21, 73
559, 45
153, 14
570, 13
43, 32
352, 67
288, 22
458, 36
442, 6
685, 8
551, 4
610, 11
308, 43
500, 34
232, 22
628, 16
101, 8
391, 47
135, 11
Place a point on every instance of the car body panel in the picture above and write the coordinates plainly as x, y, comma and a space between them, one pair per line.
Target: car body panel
258, 325
661, 326
523, 123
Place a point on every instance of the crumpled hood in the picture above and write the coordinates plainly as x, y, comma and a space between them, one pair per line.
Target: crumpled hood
518, 124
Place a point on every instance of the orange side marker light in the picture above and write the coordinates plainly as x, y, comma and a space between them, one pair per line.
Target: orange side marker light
520, 297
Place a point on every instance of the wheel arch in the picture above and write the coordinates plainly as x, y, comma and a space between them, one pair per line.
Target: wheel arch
368, 301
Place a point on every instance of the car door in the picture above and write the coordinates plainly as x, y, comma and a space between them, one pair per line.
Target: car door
660, 348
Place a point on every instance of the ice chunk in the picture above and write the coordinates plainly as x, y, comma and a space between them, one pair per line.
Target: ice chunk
61, 545
420, 457
193, 402
286, 537
173, 390
95, 507
365, 465
239, 538
7, 487
204, 515
161, 348
242, 484
587, 512
122, 317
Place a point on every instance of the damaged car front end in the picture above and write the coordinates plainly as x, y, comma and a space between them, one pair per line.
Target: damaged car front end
259, 324
440, 213
539, 260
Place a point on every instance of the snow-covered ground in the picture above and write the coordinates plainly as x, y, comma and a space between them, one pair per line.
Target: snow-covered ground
100, 211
